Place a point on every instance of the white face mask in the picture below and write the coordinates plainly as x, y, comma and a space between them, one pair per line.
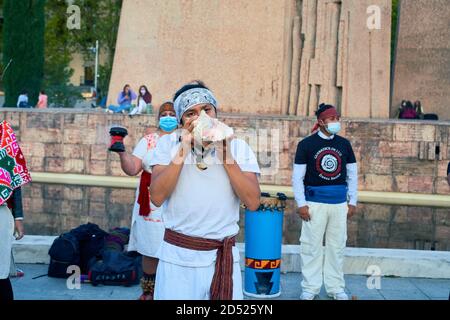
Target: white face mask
143, 91
334, 127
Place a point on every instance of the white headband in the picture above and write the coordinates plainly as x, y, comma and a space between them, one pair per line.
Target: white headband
191, 98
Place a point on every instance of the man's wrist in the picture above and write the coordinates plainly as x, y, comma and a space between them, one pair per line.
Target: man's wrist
301, 204
181, 155
229, 162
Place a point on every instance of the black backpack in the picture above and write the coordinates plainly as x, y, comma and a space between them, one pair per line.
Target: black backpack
76, 247
115, 268
64, 252
91, 240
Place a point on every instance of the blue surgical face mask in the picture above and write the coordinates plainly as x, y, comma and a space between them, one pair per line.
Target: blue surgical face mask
168, 123
334, 127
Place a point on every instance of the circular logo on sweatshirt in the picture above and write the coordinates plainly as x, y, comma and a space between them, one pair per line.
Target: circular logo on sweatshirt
328, 163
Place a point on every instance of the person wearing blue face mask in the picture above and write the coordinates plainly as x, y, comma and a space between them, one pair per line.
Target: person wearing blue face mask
168, 123
147, 229
325, 183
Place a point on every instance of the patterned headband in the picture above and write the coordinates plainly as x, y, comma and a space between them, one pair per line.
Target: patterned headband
192, 98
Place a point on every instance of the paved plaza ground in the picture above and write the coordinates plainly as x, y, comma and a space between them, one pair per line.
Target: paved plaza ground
45, 288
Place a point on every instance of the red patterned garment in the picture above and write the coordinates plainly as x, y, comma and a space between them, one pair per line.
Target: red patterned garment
13, 167
146, 179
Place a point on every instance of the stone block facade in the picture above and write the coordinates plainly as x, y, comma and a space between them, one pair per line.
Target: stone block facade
53, 209
423, 56
390, 155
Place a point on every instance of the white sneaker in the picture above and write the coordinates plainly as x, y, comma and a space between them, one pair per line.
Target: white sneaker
307, 296
339, 296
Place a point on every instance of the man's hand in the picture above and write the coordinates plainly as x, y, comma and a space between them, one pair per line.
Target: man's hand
187, 138
223, 150
351, 211
303, 212
19, 229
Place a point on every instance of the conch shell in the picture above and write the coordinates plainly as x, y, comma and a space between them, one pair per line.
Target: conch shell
208, 129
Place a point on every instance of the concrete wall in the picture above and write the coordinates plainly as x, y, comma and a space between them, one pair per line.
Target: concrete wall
267, 57
396, 156
422, 69
52, 209
393, 155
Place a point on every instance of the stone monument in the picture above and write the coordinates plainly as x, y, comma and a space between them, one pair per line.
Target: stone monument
264, 57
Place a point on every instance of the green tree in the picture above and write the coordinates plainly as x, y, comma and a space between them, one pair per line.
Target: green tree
23, 44
108, 29
99, 21
59, 48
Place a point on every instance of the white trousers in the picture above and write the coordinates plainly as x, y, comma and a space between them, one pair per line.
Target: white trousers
6, 240
175, 282
324, 264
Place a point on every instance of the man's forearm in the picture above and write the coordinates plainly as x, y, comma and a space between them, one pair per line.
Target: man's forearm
17, 208
352, 183
298, 184
164, 181
128, 164
244, 187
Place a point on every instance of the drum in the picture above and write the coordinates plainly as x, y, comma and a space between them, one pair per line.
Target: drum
117, 134
263, 240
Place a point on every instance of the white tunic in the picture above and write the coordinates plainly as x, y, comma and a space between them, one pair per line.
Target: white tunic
203, 203
146, 232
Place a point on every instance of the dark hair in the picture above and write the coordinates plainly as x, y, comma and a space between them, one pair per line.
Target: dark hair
42, 91
123, 90
323, 107
191, 85
24, 91
406, 104
146, 90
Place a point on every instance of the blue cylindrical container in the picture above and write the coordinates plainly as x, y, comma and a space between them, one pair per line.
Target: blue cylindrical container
263, 239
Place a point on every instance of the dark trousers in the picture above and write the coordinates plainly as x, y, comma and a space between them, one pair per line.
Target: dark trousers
6, 292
